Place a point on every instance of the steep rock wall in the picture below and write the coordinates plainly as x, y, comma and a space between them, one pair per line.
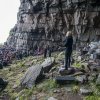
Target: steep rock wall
47, 21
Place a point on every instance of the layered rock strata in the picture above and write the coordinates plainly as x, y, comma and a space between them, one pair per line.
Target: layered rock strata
40, 22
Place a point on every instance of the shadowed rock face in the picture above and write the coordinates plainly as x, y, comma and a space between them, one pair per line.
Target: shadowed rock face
48, 20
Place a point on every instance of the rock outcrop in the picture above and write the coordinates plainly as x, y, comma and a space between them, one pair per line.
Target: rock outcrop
47, 64
32, 75
47, 21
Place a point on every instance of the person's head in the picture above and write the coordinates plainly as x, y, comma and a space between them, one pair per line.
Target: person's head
69, 33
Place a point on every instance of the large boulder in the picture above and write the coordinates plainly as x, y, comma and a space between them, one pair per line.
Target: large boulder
40, 21
65, 79
47, 64
32, 75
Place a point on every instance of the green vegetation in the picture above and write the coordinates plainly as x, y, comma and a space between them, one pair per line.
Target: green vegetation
77, 64
14, 73
75, 89
95, 88
96, 93
46, 87
43, 90
92, 97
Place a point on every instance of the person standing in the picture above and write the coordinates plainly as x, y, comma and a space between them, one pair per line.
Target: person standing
68, 51
47, 51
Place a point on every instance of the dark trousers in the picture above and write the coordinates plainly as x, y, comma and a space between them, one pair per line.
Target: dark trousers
68, 53
1, 66
47, 52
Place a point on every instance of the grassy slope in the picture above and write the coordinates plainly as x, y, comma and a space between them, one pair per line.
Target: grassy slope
42, 91
13, 75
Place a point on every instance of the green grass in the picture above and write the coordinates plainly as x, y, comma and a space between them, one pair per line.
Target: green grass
77, 64
96, 92
46, 87
92, 98
14, 73
75, 89
96, 89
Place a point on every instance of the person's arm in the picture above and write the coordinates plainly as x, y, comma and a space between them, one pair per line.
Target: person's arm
66, 42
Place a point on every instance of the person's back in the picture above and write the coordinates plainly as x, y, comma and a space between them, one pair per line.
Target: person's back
69, 42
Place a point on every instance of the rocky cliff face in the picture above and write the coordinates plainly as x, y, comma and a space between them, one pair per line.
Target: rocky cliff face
43, 21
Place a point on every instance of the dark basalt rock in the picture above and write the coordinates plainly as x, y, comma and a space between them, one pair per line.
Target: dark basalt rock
43, 21
70, 71
3, 84
65, 80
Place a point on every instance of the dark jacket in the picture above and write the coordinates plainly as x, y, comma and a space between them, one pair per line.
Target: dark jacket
68, 42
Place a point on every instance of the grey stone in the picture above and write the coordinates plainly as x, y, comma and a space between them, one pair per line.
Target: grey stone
77, 73
85, 91
15, 86
65, 79
34, 97
57, 91
79, 58
91, 78
47, 64
98, 80
95, 68
17, 98
52, 98
68, 88
31, 76
81, 78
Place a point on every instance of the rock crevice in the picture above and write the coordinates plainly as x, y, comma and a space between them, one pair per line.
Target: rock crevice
39, 21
